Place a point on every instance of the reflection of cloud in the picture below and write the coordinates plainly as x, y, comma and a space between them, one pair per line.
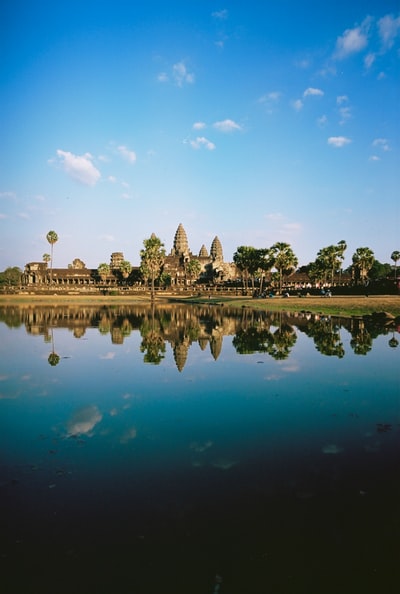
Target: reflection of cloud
332, 448
108, 355
129, 434
200, 446
84, 420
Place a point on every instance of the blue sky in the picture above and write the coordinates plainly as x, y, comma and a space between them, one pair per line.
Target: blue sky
254, 121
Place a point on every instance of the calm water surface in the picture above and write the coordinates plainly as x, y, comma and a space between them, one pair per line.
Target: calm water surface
197, 450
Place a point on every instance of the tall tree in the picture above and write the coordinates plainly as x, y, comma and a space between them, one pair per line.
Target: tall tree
330, 259
193, 268
152, 259
395, 256
363, 259
52, 238
125, 268
104, 270
284, 259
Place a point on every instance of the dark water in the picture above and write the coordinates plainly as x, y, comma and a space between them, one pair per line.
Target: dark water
198, 450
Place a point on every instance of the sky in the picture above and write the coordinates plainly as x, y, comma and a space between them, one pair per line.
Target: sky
254, 121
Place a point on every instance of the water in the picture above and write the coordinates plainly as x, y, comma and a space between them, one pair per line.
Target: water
197, 450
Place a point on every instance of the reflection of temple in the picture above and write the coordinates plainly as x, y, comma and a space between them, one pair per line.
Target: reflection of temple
181, 326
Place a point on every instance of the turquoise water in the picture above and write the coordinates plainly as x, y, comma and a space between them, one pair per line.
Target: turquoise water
143, 451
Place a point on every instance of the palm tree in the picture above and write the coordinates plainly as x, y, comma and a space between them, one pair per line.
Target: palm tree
193, 268
395, 257
104, 270
363, 259
284, 259
125, 268
52, 238
152, 257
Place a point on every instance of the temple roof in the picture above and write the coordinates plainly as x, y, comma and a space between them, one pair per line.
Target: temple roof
181, 245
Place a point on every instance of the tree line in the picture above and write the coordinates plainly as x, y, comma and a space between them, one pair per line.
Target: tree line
254, 264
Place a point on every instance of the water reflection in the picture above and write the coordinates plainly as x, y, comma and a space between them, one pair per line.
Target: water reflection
272, 333
201, 449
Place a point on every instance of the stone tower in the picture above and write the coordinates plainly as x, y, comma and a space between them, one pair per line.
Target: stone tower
181, 245
203, 252
216, 250
116, 259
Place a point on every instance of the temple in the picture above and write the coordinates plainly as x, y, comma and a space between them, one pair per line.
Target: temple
177, 268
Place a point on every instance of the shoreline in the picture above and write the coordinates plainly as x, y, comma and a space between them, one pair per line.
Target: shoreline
349, 305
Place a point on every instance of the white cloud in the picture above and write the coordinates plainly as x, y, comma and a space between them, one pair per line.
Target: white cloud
345, 114
274, 216
341, 99
199, 125
298, 104
313, 92
389, 28
220, 14
181, 74
201, 141
108, 238
112, 179
369, 60
162, 77
322, 121
3, 216
84, 420
374, 158
79, 167
7, 195
381, 143
127, 154
338, 141
353, 40
227, 126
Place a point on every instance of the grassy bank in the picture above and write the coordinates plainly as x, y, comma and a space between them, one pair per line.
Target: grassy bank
351, 305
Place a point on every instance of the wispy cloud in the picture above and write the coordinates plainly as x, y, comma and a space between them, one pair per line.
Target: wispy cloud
381, 143
181, 74
201, 141
270, 100
78, 167
353, 40
127, 154
389, 28
220, 14
338, 141
297, 104
227, 126
199, 125
311, 91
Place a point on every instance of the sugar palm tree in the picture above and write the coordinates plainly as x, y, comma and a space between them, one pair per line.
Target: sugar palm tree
395, 257
363, 259
284, 259
152, 256
104, 270
125, 268
52, 238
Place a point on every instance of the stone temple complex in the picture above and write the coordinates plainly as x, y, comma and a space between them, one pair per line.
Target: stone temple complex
176, 265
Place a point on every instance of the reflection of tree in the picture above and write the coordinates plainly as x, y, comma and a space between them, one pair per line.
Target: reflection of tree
361, 339
153, 345
393, 342
326, 335
53, 358
283, 341
252, 340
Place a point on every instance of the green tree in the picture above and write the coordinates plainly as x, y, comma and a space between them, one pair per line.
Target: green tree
11, 276
104, 270
46, 258
52, 238
395, 256
250, 261
125, 268
284, 260
329, 261
363, 259
152, 259
193, 268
